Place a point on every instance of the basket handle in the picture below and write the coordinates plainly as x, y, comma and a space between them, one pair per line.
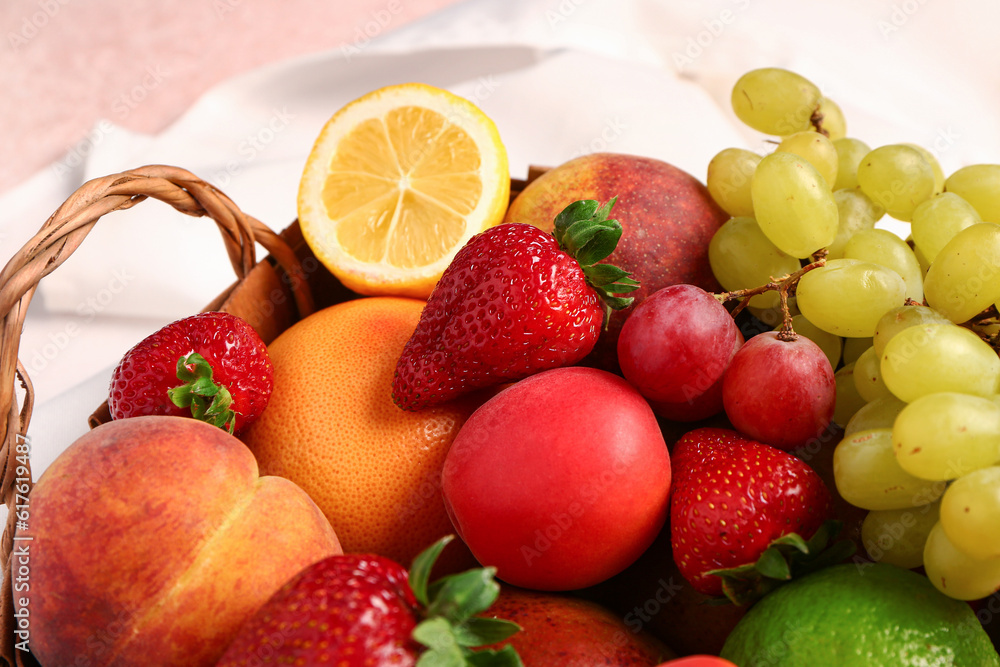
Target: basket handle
56, 241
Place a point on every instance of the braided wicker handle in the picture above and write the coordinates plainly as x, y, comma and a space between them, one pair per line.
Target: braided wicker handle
58, 238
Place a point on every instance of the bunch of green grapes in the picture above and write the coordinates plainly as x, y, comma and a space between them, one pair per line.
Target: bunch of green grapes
910, 324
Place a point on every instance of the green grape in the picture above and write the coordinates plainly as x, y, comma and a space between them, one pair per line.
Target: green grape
944, 436
921, 257
880, 246
728, 181
828, 342
898, 537
935, 166
868, 377
775, 101
772, 317
978, 184
831, 119
741, 257
930, 358
897, 178
815, 148
868, 475
954, 573
793, 204
970, 513
903, 317
964, 279
855, 347
850, 152
855, 213
880, 413
847, 400
847, 296
937, 220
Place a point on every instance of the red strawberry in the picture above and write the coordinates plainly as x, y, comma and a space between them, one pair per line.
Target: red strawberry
359, 610
212, 366
742, 513
514, 301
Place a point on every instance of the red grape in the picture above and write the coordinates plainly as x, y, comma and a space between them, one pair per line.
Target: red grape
675, 347
779, 392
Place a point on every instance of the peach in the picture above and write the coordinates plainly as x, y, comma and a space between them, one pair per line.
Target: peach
667, 215
153, 539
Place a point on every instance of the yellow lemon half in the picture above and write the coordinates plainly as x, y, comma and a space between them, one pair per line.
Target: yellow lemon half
396, 183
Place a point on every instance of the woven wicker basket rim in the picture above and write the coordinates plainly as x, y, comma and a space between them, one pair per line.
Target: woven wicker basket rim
57, 239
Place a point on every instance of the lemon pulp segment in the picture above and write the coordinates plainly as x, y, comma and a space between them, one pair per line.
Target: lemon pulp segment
401, 187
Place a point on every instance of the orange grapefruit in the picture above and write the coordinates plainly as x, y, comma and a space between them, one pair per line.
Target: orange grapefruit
332, 428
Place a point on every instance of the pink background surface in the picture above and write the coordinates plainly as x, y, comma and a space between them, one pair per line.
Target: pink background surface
66, 64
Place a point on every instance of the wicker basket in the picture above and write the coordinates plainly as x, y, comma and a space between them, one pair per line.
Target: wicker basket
271, 295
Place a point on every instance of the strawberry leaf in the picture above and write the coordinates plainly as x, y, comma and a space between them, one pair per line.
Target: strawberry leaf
478, 631
580, 235
604, 274
583, 209
584, 231
785, 558
209, 402
505, 657
450, 627
618, 302
461, 596
602, 241
420, 570
442, 647
603, 212
773, 564
795, 540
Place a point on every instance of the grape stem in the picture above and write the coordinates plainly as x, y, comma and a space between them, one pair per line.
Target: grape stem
988, 318
816, 120
785, 286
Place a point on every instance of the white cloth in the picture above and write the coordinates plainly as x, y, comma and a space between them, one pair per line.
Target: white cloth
559, 77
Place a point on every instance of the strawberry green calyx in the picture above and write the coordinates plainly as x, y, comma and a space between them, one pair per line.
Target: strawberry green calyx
450, 628
209, 402
786, 558
584, 231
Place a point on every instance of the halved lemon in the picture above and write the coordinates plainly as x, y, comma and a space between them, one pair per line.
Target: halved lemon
396, 183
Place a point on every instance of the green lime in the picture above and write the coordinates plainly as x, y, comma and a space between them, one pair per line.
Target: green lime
870, 616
